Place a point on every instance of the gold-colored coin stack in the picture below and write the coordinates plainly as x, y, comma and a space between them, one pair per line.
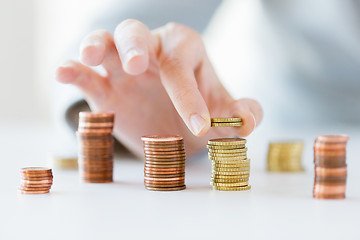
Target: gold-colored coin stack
230, 165
285, 156
95, 153
35, 180
226, 122
164, 168
64, 162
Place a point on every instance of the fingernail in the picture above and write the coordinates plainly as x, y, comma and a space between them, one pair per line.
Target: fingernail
133, 53
254, 120
197, 123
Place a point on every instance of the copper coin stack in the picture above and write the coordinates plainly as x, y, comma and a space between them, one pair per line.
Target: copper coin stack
285, 156
330, 166
95, 142
164, 168
35, 180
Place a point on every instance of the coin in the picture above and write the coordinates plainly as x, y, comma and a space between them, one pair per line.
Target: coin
225, 155
220, 176
230, 169
227, 124
224, 180
222, 120
244, 188
228, 151
223, 147
238, 184
166, 188
227, 141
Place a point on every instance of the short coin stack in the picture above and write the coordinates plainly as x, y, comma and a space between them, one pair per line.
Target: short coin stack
95, 142
285, 156
164, 168
226, 122
35, 180
330, 166
230, 165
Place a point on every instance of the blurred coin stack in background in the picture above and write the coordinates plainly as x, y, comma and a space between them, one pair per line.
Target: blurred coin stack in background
95, 147
64, 162
35, 180
285, 156
230, 165
330, 166
164, 168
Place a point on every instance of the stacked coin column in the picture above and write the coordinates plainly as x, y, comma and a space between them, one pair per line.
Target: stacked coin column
285, 157
164, 168
230, 165
95, 143
35, 180
330, 166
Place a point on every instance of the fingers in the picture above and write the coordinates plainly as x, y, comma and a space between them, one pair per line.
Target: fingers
87, 80
98, 48
182, 51
251, 113
133, 41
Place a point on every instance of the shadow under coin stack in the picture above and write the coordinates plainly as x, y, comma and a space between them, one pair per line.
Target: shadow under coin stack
164, 168
330, 166
95, 142
230, 165
285, 157
35, 180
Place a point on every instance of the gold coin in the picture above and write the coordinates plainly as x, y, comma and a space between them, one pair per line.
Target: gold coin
242, 159
230, 177
223, 147
222, 120
227, 141
228, 151
226, 155
231, 173
217, 169
238, 184
223, 180
221, 165
226, 124
244, 188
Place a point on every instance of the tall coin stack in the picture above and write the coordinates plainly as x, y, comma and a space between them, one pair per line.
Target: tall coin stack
330, 166
285, 156
164, 168
35, 180
95, 142
230, 165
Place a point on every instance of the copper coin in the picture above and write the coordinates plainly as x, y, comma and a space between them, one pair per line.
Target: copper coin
167, 179
332, 138
172, 145
163, 185
161, 138
165, 154
165, 166
152, 175
174, 149
166, 188
93, 180
329, 196
330, 180
156, 171
164, 163
176, 159
321, 171
33, 192
26, 188
35, 170
37, 181
329, 189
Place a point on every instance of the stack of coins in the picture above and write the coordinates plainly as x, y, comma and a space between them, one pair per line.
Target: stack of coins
226, 122
230, 165
35, 180
285, 156
330, 166
95, 154
64, 162
164, 168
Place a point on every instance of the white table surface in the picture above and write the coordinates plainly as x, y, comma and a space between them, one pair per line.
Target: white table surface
279, 205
